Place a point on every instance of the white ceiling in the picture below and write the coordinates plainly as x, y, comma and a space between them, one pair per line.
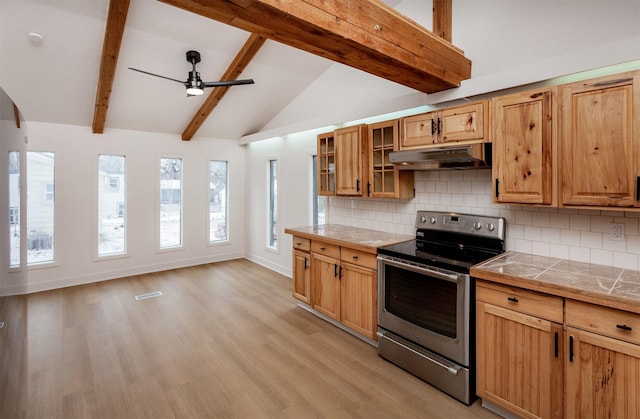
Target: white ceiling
508, 41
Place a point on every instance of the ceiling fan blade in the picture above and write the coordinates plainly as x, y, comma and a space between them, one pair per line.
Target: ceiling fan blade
157, 75
227, 83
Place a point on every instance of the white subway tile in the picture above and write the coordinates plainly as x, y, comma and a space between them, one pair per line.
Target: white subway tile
570, 237
579, 254
541, 219
625, 260
591, 240
540, 248
532, 233
630, 225
523, 218
550, 235
559, 220
523, 246
601, 257
601, 224
580, 222
559, 251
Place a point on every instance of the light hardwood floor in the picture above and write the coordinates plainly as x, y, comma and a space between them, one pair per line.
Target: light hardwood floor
224, 340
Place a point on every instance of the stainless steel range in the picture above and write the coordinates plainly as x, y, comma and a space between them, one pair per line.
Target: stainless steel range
426, 309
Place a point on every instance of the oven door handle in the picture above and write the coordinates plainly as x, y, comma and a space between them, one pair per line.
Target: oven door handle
422, 269
451, 369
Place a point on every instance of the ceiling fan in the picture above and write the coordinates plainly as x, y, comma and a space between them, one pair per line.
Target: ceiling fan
194, 84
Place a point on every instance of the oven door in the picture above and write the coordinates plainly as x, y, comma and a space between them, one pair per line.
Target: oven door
426, 305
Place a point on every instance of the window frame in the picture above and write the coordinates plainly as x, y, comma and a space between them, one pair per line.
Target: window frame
108, 189
48, 200
226, 239
273, 222
180, 246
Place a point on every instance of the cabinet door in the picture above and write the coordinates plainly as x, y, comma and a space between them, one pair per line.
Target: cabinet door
519, 362
326, 164
522, 148
326, 285
302, 276
349, 160
603, 377
358, 299
462, 123
385, 179
600, 137
419, 131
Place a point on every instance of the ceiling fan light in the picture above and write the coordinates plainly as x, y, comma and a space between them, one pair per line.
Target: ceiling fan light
195, 91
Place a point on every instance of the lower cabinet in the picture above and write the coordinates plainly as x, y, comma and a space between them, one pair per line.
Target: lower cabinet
518, 354
535, 362
343, 285
302, 269
603, 363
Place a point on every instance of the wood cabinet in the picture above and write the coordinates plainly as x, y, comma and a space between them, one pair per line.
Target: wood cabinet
326, 164
528, 365
456, 124
302, 269
603, 365
519, 354
344, 286
350, 143
385, 179
523, 148
600, 147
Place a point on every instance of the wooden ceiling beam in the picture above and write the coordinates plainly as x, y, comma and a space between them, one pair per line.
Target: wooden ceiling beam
16, 115
442, 19
237, 66
364, 34
113, 33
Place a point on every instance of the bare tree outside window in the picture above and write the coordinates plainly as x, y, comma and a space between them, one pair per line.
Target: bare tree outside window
170, 202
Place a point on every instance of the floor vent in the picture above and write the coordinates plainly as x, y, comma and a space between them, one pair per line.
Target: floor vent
148, 295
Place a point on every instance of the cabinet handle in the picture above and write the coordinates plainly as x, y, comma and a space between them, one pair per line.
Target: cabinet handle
439, 126
624, 327
368, 188
357, 185
497, 188
570, 348
355, 257
513, 299
340, 274
335, 270
433, 127
638, 188
555, 344
305, 264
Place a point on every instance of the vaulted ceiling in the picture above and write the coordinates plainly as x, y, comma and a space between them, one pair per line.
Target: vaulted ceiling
56, 80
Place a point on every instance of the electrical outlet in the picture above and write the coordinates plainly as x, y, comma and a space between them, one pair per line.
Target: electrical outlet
617, 232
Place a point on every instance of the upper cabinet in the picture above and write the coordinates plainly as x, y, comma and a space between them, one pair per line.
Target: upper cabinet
350, 159
385, 179
457, 124
326, 164
600, 147
522, 134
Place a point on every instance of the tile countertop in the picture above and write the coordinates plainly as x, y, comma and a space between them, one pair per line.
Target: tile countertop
598, 284
352, 237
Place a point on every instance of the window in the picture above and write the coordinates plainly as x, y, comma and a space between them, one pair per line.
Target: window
319, 201
218, 194
170, 202
40, 207
273, 204
14, 209
111, 205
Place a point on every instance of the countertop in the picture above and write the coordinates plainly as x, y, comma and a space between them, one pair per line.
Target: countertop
598, 284
353, 237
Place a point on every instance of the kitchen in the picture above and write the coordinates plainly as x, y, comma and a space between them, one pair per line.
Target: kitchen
531, 230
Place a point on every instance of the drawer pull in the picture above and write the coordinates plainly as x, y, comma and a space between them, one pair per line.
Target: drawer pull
355, 257
323, 248
624, 327
299, 243
513, 299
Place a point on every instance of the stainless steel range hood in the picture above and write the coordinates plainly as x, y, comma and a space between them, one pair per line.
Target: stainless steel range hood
457, 157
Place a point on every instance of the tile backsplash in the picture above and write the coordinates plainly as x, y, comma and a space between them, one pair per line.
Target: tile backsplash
580, 235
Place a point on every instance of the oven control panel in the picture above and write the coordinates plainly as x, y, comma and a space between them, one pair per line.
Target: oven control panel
482, 225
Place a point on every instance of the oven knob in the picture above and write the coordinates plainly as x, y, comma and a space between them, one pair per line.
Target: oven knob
477, 225
491, 227
423, 219
432, 220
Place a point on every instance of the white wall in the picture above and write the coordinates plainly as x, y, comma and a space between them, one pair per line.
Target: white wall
76, 172
294, 154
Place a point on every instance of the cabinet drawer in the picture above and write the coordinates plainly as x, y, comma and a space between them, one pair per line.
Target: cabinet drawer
528, 302
611, 322
301, 244
357, 257
325, 249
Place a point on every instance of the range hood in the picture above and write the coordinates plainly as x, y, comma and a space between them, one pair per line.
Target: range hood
475, 156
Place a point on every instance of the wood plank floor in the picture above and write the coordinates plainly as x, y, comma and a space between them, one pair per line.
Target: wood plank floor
224, 340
